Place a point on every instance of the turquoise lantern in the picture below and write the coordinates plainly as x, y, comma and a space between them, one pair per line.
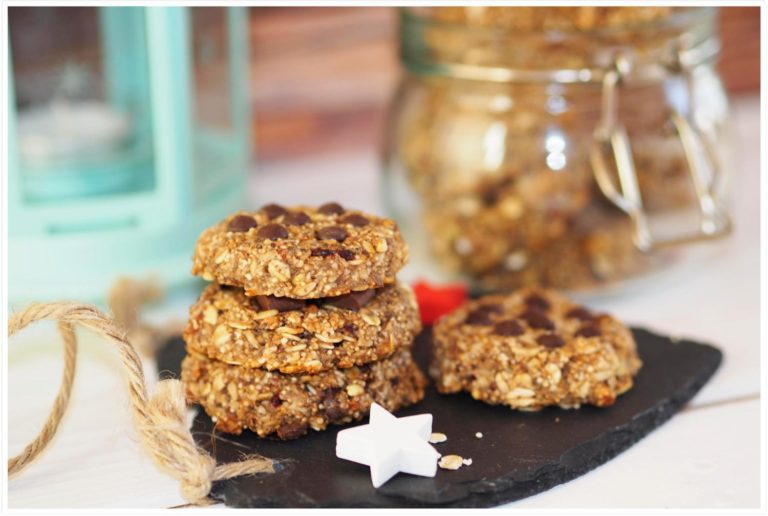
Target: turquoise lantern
128, 135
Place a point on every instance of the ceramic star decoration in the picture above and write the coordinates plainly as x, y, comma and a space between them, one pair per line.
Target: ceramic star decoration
388, 444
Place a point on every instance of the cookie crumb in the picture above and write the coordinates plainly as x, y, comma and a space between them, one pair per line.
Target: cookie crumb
479, 435
467, 462
437, 437
451, 462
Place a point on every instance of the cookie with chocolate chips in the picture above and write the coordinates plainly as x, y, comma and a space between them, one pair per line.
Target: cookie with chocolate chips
301, 252
302, 336
533, 348
289, 406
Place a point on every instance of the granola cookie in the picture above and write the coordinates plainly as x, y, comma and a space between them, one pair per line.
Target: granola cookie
269, 402
296, 336
531, 349
301, 252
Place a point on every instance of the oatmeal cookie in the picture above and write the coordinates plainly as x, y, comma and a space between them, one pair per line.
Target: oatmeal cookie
269, 402
531, 349
301, 252
296, 336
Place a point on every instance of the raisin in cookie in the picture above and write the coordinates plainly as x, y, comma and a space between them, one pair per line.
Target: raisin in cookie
531, 349
301, 252
269, 402
300, 336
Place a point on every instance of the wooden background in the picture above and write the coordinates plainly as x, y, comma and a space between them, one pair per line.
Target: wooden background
321, 78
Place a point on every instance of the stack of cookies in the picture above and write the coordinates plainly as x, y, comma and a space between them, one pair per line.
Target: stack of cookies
305, 324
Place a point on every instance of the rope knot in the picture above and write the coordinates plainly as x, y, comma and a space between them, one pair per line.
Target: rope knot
161, 420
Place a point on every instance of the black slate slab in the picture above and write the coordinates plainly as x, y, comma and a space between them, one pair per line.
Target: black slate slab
520, 454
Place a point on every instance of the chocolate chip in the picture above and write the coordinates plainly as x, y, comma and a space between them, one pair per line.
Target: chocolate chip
509, 328
589, 330
355, 219
322, 252
580, 313
276, 401
281, 304
550, 340
352, 301
272, 232
331, 208
346, 254
337, 233
272, 211
537, 301
480, 316
296, 218
241, 224
537, 319
292, 430
332, 405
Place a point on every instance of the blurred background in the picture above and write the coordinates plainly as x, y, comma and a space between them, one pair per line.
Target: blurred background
136, 128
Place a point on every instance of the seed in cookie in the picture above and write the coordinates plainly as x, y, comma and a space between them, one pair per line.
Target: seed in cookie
352, 301
589, 330
550, 340
241, 224
580, 313
537, 301
355, 219
296, 218
331, 208
537, 319
281, 304
337, 233
509, 328
272, 211
272, 232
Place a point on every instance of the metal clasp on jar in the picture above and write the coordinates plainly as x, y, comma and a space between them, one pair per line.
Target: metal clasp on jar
611, 138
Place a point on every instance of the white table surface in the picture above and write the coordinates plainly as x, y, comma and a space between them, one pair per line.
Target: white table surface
706, 456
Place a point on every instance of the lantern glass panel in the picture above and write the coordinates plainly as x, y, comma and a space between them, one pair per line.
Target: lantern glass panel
215, 135
82, 101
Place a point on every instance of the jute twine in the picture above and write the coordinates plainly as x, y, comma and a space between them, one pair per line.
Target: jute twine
160, 420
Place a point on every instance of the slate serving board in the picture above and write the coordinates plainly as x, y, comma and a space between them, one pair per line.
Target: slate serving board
520, 454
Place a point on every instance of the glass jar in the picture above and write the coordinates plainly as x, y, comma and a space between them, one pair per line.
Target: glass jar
567, 147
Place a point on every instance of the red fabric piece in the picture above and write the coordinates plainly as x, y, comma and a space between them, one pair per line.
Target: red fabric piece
438, 300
